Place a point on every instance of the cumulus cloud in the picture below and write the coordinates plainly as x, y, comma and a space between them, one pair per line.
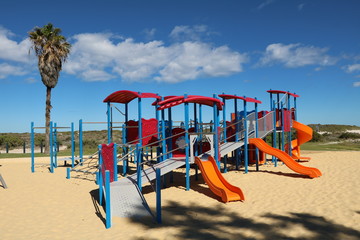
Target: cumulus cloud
10, 70
352, 68
295, 55
11, 50
101, 57
356, 84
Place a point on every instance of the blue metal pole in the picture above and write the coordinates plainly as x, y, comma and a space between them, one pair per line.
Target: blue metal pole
224, 133
140, 121
257, 135
158, 195
246, 154
224, 120
236, 133
139, 166
163, 133
108, 200
187, 163
109, 122
72, 145
290, 119
115, 163
158, 131
170, 125
201, 126
140, 153
68, 173
81, 153
51, 148
32, 147
55, 145
125, 161
100, 182
216, 135
295, 108
274, 132
282, 128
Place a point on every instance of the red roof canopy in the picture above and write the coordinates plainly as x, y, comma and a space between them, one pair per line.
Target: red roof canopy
125, 96
174, 101
283, 92
247, 99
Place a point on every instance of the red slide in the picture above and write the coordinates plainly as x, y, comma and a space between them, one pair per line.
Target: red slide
304, 134
217, 183
285, 158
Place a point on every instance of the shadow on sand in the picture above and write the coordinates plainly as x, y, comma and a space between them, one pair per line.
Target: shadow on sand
194, 221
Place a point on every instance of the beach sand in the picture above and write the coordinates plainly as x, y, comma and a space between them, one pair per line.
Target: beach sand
279, 204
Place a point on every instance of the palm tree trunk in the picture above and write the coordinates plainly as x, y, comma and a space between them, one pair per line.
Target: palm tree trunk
47, 119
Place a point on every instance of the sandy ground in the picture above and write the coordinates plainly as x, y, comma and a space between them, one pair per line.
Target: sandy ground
279, 205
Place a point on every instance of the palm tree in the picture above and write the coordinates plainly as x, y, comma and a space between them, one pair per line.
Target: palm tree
52, 50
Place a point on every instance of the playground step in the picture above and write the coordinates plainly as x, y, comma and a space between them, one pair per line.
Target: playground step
127, 200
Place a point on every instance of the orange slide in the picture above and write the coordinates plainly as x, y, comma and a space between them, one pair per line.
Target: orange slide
216, 182
285, 158
304, 134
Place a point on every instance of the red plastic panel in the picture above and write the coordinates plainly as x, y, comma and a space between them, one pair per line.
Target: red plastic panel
107, 153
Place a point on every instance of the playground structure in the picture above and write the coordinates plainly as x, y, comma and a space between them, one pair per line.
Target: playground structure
203, 145
178, 147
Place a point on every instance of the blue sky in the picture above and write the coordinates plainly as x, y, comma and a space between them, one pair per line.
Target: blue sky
176, 47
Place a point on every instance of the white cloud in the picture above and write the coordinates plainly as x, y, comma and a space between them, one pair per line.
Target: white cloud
11, 50
190, 33
10, 70
98, 57
352, 68
31, 80
301, 6
264, 4
295, 55
149, 33
356, 84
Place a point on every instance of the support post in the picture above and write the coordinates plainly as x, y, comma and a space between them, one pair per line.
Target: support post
246, 140
139, 166
115, 163
216, 135
274, 132
158, 196
68, 173
72, 146
107, 199
109, 122
236, 133
32, 147
81, 153
257, 135
187, 163
51, 148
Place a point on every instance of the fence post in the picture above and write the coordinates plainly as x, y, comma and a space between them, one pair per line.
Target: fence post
33, 147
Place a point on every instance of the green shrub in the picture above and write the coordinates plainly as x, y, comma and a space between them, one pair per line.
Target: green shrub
349, 135
317, 137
